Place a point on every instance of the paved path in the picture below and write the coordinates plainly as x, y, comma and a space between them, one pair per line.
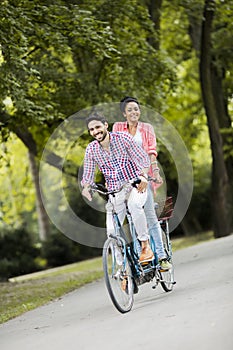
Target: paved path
198, 314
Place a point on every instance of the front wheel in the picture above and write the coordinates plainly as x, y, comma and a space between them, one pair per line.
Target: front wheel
118, 276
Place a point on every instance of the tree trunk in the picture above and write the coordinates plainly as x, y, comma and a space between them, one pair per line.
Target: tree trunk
154, 9
220, 180
43, 220
51, 158
217, 76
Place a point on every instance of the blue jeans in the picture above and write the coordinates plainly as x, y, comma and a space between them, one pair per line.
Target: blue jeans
153, 224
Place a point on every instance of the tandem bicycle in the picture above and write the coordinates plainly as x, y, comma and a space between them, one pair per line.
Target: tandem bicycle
123, 273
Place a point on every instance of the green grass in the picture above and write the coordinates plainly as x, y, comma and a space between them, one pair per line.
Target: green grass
31, 291
184, 242
28, 292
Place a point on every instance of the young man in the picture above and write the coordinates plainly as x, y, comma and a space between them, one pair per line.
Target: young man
120, 160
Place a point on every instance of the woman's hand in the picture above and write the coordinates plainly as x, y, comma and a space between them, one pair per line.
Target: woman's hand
156, 175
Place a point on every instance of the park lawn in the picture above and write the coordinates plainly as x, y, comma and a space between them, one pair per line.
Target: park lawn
30, 291
25, 293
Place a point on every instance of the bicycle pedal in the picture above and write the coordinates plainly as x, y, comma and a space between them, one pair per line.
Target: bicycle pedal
145, 262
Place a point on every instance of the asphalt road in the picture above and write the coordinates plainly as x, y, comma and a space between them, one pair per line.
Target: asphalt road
198, 314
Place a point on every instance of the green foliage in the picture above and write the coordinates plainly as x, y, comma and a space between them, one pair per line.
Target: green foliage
17, 193
17, 253
79, 205
184, 104
59, 250
63, 56
228, 136
59, 57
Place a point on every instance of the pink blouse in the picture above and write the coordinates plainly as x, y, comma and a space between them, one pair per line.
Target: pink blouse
148, 141
147, 132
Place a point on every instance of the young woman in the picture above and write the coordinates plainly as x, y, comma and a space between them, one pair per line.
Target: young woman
144, 135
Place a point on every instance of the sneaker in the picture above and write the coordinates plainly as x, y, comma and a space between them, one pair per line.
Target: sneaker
164, 265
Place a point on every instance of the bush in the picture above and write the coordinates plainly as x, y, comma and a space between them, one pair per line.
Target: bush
59, 250
17, 254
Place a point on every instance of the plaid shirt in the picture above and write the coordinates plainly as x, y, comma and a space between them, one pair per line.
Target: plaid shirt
122, 163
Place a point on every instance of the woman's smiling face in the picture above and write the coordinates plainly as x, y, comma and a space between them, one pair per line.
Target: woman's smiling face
132, 112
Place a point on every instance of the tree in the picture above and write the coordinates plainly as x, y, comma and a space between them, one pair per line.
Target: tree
212, 77
209, 24
205, 28
57, 58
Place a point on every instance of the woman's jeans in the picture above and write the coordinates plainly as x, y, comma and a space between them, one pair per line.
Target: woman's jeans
136, 201
153, 224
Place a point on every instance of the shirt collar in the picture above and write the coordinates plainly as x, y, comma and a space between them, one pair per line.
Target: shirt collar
139, 125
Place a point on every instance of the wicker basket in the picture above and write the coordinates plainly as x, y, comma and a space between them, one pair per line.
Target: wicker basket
164, 209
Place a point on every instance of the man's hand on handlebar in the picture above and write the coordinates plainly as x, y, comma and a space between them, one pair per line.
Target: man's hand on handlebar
86, 193
142, 186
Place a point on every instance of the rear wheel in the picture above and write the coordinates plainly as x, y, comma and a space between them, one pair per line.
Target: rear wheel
167, 280
118, 276
167, 277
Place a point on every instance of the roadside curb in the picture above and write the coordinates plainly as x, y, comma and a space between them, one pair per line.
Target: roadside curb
45, 273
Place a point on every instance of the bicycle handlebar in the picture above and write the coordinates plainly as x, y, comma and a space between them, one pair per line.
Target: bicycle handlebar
100, 188
104, 191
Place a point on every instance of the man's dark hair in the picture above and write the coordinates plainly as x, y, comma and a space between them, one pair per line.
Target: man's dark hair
95, 116
126, 100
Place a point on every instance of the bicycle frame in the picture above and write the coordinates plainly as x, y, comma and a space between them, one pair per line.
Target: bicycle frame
129, 247
123, 278
140, 274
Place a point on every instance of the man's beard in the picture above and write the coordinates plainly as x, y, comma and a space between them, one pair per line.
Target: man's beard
103, 136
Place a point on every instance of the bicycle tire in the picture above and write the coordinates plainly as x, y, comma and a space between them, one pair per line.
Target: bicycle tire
118, 277
167, 277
